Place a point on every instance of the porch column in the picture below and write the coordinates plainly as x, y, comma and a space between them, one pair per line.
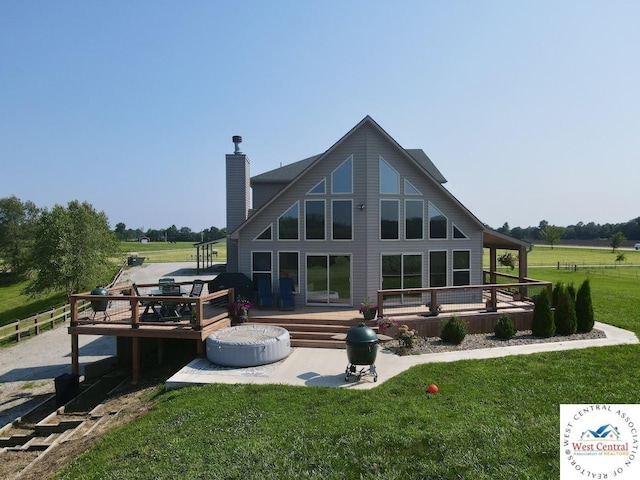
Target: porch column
493, 265
75, 354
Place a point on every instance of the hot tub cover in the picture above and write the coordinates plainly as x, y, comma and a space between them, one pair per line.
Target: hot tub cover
248, 345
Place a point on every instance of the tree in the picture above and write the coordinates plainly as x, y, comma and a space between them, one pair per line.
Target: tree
551, 234
17, 220
121, 231
507, 260
73, 249
615, 240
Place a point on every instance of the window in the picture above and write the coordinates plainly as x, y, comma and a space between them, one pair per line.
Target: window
260, 266
319, 189
314, 222
342, 177
461, 267
437, 223
329, 279
409, 189
389, 178
288, 268
389, 219
457, 233
413, 215
342, 219
437, 269
265, 235
288, 224
402, 271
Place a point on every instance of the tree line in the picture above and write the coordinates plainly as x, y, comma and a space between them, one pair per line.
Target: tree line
580, 231
70, 247
170, 234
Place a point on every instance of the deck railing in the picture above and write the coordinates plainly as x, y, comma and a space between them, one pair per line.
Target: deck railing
490, 297
125, 307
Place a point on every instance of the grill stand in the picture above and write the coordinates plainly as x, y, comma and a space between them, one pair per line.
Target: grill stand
352, 371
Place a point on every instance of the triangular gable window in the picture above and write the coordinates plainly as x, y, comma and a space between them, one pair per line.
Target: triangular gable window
288, 224
342, 177
409, 189
265, 235
389, 178
457, 233
437, 223
319, 189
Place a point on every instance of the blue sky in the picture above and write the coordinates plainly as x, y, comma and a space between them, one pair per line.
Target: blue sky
530, 108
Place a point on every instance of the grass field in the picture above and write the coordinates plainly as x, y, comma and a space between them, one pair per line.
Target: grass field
493, 419
159, 252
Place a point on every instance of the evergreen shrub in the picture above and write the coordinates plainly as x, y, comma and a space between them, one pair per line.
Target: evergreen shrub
454, 331
505, 329
565, 313
543, 324
584, 308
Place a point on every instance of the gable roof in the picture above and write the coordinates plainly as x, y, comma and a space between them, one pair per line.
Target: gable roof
289, 173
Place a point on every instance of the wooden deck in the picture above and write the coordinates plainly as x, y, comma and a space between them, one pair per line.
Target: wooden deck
317, 327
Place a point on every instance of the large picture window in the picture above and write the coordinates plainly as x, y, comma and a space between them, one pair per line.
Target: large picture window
342, 219
288, 267
461, 267
413, 213
260, 266
288, 224
438, 269
389, 219
314, 220
329, 279
402, 271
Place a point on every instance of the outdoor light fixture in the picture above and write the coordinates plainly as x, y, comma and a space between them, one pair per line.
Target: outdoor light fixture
361, 206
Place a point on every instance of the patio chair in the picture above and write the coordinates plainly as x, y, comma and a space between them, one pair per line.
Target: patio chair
265, 295
196, 291
147, 304
285, 294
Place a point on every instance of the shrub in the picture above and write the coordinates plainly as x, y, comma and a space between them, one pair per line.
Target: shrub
505, 329
555, 294
572, 292
565, 313
406, 336
584, 308
543, 324
454, 331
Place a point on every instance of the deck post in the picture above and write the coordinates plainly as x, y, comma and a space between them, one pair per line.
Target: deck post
75, 354
135, 359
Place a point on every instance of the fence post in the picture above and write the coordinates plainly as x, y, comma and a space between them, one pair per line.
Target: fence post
36, 325
18, 331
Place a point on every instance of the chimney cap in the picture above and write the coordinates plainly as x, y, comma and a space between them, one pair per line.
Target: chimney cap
237, 140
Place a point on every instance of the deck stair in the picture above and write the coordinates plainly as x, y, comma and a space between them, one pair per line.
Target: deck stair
312, 332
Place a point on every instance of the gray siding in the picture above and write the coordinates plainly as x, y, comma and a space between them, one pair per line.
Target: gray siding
366, 144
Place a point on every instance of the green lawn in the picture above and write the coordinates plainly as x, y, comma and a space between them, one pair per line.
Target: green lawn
493, 419
159, 252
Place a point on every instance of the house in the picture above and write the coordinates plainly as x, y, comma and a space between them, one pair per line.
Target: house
367, 214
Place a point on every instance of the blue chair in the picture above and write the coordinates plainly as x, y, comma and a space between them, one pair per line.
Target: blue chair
285, 294
265, 296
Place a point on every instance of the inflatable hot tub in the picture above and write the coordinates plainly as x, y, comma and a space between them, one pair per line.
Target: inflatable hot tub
248, 345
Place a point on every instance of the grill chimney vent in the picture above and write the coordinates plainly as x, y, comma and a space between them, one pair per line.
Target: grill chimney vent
237, 140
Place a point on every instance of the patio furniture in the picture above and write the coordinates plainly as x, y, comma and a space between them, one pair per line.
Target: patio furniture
285, 294
170, 309
265, 295
196, 291
148, 304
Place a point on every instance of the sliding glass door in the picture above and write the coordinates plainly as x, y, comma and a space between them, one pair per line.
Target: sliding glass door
328, 279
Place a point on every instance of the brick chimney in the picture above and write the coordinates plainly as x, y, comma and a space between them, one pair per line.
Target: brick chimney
238, 198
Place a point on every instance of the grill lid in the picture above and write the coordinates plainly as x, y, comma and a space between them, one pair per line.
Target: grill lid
362, 334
